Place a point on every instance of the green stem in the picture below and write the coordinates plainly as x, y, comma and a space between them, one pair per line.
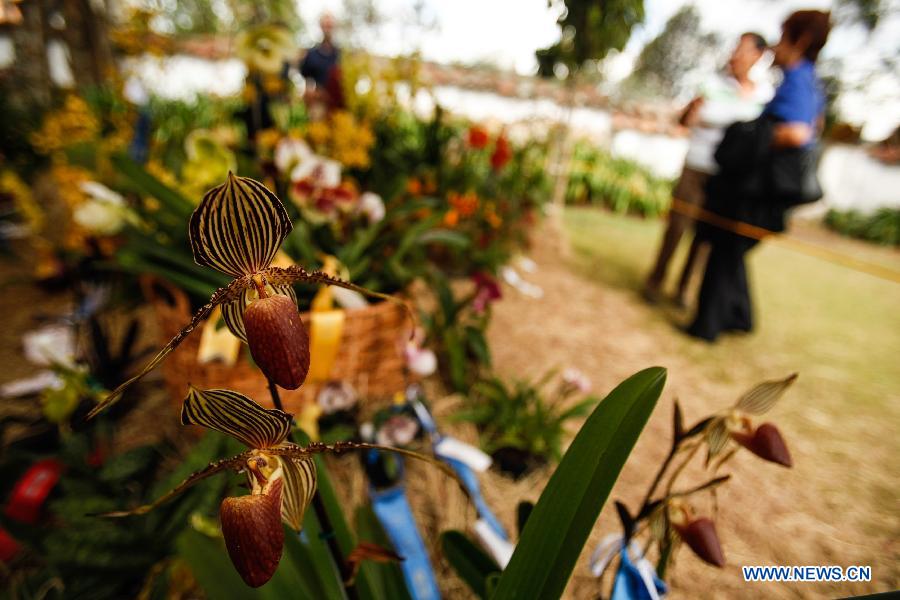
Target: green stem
328, 533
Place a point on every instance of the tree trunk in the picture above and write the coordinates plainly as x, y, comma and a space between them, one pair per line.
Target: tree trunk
29, 81
87, 37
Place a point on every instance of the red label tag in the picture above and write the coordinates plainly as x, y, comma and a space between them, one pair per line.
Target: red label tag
9, 547
32, 489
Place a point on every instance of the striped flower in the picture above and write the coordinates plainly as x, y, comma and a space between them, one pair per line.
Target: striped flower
237, 229
281, 475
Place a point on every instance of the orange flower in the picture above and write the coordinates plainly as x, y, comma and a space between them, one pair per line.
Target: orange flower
451, 219
493, 218
414, 187
465, 204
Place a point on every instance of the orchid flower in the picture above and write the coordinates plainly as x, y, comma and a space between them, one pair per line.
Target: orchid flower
237, 229
736, 423
281, 474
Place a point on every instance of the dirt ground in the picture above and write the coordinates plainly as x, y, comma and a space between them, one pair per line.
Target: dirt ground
837, 506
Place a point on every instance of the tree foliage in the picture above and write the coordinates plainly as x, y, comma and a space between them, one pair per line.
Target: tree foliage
589, 30
679, 49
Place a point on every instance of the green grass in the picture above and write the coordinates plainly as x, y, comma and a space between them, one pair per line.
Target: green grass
839, 328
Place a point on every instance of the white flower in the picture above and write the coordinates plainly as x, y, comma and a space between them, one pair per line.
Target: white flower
372, 206
289, 152
53, 345
323, 172
101, 193
421, 361
399, 430
100, 218
576, 379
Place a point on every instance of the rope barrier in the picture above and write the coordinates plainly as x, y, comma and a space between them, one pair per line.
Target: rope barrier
810, 249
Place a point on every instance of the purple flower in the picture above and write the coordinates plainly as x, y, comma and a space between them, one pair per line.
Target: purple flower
487, 289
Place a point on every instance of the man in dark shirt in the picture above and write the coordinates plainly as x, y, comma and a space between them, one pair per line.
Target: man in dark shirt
322, 62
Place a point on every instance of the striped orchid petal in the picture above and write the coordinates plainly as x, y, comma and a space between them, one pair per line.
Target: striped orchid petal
236, 415
299, 488
233, 312
222, 296
238, 227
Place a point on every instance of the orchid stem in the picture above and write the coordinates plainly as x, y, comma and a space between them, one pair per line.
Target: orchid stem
276, 397
327, 529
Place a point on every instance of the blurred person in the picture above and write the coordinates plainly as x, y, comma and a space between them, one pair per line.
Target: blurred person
727, 97
321, 68
767, 166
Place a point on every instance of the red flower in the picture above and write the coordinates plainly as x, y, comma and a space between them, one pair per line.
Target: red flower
478, 137
502, 153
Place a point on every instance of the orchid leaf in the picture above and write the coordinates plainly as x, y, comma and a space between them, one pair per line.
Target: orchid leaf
567, 509
470, 562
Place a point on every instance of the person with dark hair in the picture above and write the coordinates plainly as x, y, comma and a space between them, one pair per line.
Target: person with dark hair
766, 167
725, 98
321, 68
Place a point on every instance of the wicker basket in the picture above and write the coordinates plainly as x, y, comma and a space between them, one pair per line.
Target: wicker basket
369, 355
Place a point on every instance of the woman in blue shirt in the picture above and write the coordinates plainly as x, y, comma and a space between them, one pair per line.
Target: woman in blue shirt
799, 102
796, 109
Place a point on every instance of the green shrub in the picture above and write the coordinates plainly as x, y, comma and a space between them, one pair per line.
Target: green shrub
882, 226
622, 185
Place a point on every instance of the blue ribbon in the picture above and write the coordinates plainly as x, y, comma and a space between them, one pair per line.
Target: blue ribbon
393, 510
630, 583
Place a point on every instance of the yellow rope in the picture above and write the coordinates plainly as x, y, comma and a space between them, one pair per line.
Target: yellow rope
808, 248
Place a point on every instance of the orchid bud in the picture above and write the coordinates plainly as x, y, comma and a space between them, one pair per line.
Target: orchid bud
278, 340
251, 526
765, 442
700, 535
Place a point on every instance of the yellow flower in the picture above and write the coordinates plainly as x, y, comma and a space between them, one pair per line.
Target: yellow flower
267, 139
319, 134
11, 185
71, 124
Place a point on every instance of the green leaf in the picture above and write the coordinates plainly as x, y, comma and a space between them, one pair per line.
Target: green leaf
217, 577
567, 509
469, 561
365, 587
444, 236
151, 186
386, 577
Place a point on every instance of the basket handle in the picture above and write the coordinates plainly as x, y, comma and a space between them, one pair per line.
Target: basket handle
159, 290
